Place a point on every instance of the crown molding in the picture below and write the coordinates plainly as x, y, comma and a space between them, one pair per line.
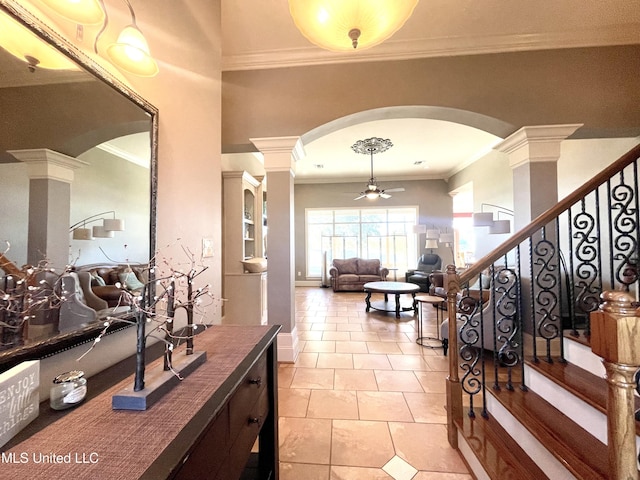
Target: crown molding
628, 34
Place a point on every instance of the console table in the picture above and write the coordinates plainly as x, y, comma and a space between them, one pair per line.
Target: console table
204, 428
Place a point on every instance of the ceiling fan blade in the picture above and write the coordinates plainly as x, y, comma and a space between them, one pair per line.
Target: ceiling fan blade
399, 189
384, 195
362, 195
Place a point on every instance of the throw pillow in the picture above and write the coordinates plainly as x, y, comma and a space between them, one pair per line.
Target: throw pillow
346, 266
130, 281
368, 267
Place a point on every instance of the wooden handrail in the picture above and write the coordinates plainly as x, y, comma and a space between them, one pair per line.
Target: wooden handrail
544, 218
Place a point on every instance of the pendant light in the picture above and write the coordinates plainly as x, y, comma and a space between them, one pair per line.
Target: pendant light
344, 25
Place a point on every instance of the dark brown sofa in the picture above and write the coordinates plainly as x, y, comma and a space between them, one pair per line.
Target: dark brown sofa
350, 275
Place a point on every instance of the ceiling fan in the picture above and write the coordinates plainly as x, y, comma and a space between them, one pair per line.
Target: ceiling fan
371, 146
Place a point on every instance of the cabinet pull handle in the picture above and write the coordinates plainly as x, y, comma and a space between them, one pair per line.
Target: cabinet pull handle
256, 381
254, 420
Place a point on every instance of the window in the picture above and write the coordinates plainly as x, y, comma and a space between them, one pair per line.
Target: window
384, 233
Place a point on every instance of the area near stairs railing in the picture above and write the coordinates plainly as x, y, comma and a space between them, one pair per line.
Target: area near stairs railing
522, 359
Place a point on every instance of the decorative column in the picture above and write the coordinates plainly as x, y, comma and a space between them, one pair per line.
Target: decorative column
615, 336
50, 177
280, 155
533, 157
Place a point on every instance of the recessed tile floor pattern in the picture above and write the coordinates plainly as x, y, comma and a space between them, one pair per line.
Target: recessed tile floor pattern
363, 401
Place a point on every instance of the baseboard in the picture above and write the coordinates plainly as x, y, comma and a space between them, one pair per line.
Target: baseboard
288, 346
308, 283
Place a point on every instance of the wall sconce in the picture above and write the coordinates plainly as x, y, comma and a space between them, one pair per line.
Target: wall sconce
485, 219
341, 26
109, 225
130, 52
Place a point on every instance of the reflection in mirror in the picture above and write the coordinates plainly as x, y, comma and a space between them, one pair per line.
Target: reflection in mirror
75, 149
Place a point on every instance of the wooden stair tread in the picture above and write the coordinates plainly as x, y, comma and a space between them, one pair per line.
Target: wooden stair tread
590, 388
581, 453
498, 453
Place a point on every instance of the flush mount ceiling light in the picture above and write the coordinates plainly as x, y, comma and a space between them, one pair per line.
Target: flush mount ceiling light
343, 25
131, 50
85, 12
29, 48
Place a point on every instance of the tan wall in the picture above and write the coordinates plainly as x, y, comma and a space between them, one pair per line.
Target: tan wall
598, 87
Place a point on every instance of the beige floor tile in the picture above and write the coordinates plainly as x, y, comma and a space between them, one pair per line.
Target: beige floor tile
323, 327
349, 327
383, 406
341, 336
313, 378
338, 318
371, 361
305, 440
408, 362
320, 346
335, 360
351, 347
364, 337
309, 335
427, 407
373, 441
432, 382
441, 476
293, 402
383, 347
306, 471
437, 363
285, 375
398, 337
397, 381
411, 348
358, 473
337, 404
307, 359
355, 380
431, 453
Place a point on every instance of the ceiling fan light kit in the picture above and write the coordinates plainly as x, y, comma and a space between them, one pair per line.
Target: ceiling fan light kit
369, 146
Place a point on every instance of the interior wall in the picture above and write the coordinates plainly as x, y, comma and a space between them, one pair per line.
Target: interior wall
435, 208
14, 211
595, 86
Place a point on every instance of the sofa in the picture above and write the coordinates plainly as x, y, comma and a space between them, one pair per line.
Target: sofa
427, 263
350, 274
104, 280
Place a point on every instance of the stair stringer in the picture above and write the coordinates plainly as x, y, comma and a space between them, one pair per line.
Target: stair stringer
472, 461
547, 462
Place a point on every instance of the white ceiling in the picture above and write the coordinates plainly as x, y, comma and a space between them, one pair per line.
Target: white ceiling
262, 35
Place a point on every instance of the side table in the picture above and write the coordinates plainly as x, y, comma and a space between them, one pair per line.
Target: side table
424, 340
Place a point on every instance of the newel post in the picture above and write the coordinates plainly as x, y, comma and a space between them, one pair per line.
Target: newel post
615, 336
454, 389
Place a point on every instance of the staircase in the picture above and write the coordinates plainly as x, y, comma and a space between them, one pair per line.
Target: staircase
539, 404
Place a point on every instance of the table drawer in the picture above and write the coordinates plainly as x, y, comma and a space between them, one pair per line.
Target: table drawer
253, 421
246, 396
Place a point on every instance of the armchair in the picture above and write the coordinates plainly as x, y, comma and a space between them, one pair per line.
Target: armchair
427, 263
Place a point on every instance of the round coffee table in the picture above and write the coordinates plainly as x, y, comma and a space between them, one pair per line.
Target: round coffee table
393, 288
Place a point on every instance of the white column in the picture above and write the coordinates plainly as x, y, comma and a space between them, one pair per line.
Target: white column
533, 156
50, 177
280, 155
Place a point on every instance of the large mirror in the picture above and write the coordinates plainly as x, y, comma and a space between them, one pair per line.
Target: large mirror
76, 147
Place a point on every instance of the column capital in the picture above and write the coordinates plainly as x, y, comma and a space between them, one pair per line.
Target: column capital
280, 153
43, 163
539, 143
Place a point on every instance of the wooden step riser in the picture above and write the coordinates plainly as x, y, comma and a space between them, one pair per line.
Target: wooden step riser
592, 420
582, 356
536, 451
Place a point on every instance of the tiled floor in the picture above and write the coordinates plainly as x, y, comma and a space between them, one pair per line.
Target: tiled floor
363, 401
